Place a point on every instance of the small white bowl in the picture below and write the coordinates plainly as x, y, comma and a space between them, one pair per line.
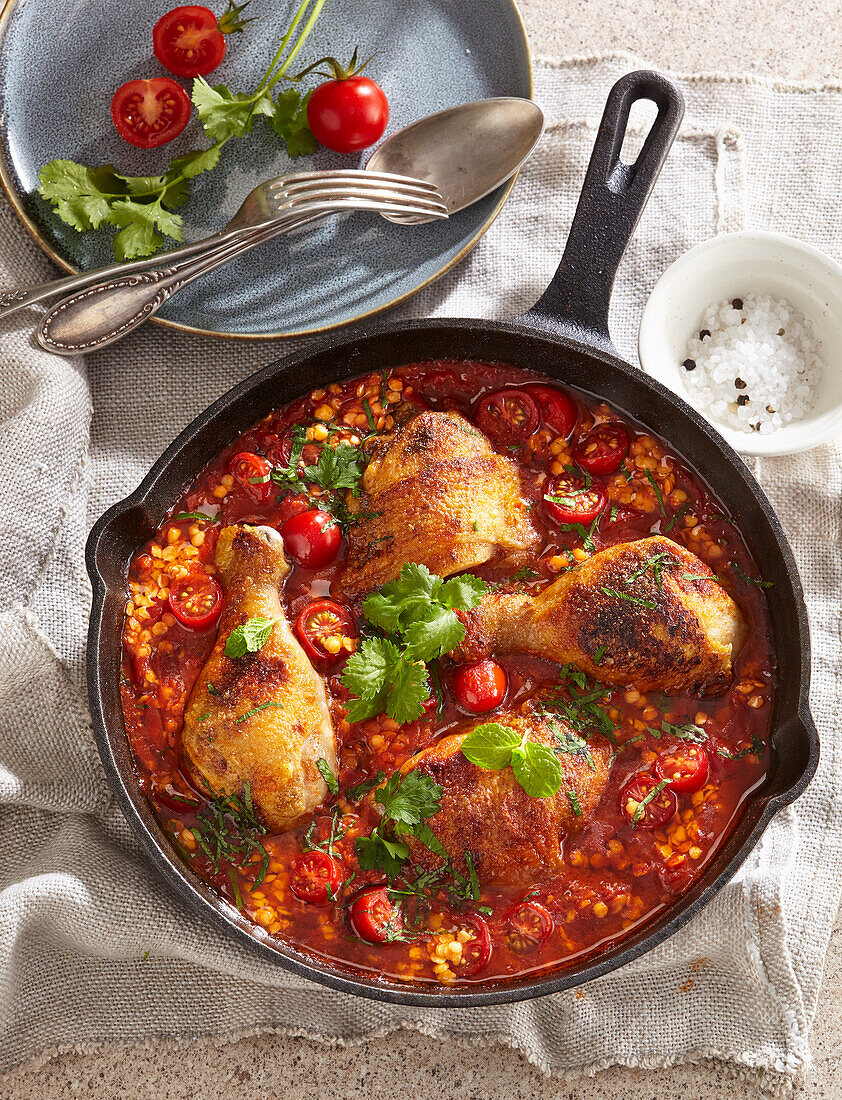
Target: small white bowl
731, 266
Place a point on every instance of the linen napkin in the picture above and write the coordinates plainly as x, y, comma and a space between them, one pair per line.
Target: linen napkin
94, 947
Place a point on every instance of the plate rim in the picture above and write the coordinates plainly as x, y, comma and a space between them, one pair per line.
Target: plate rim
34, 232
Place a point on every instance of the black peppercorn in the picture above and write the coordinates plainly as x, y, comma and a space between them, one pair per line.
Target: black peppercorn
737, 303
689, 364
739, 384
704, 334
743, 399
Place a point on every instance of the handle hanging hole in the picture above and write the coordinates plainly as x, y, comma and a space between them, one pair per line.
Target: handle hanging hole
641, 118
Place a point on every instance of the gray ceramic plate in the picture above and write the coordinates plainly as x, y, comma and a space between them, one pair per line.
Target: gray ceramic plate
57, 75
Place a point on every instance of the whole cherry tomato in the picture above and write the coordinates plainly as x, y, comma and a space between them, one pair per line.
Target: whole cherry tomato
312, 538
348, 114
149, 113
481, 686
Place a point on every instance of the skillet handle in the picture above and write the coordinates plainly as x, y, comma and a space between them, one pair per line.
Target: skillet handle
613, 198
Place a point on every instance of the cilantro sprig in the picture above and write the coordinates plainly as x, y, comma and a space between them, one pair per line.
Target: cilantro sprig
418, 613
142, 207
536, 767
338, 469
407, 801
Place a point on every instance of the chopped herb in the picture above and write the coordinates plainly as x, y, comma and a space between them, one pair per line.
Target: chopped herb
369, 415
682, 511
249, 637
614, 511
584, 533
626, 596
754, 749
656, 564
525, 573
475, 525
685, 731
696, 577
195, 515
644, 802
599, 654
337, 831
657, 492
580, 706
578, 472
472, 875
485, 909
327, 775
235, 886
228, 829
212, 690
574, 802
749, 580
354, 794
145, 955
258, 709
202, 717
625, 470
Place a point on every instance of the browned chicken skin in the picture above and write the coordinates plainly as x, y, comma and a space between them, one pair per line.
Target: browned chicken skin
266, 721
514, 839
437, 493
650, 611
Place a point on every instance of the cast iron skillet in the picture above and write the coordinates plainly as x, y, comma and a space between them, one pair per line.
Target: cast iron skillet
565, 335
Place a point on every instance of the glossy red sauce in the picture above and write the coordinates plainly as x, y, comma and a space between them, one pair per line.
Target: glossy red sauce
617, 876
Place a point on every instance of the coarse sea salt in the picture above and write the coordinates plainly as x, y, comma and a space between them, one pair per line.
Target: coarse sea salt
754, 365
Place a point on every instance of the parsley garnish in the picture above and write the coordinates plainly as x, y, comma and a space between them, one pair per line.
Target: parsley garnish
418, 611
536, 767
327, 775
407, 801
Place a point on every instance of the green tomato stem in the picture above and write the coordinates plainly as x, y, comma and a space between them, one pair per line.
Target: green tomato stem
302, 38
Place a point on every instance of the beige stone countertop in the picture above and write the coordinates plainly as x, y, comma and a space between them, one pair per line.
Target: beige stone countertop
798, 39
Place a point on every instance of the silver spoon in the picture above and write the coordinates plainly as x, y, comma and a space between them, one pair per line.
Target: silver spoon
466, 152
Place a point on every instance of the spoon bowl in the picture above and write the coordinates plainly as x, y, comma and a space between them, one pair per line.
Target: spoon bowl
466, 151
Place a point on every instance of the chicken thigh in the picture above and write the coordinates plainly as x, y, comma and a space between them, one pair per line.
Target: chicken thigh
437, 493
514, 839
648, 614
261, 718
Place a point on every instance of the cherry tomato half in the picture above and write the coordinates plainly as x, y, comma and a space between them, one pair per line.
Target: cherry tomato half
685, 768
476, 950
348, 115
326, 631
373, 917
252, 472
657, 811
602, 449
571, 500
507, 416
149, 113
528, 926
312, 538
481, 686
188, 41
196, 601
558, 410
315, 877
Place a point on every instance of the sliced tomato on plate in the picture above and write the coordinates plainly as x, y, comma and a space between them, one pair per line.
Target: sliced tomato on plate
326, 630
573, 499
507, 416
602, 449
196, 601
558, 409
528, 926
315, 877
253, 473
647, 801
149, 113
190, 40
684, 767
373, 917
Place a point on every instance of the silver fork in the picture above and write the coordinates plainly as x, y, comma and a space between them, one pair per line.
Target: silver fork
262, 205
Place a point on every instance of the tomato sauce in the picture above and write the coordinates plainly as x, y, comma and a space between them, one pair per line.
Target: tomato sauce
617, 875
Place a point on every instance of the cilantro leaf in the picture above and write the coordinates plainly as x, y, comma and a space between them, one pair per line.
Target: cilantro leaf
222, 114
354, 794
379, 853
463, 592
140, 222
393, 607
249, 637
289, 120
407, 801
409, 798
410, 687
490, 745
436, 633
537, 769
79, 193
339, 467
367, 674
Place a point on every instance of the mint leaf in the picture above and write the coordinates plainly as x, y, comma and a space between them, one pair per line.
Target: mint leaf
249, 637
490, 745
537, 769
327, 775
